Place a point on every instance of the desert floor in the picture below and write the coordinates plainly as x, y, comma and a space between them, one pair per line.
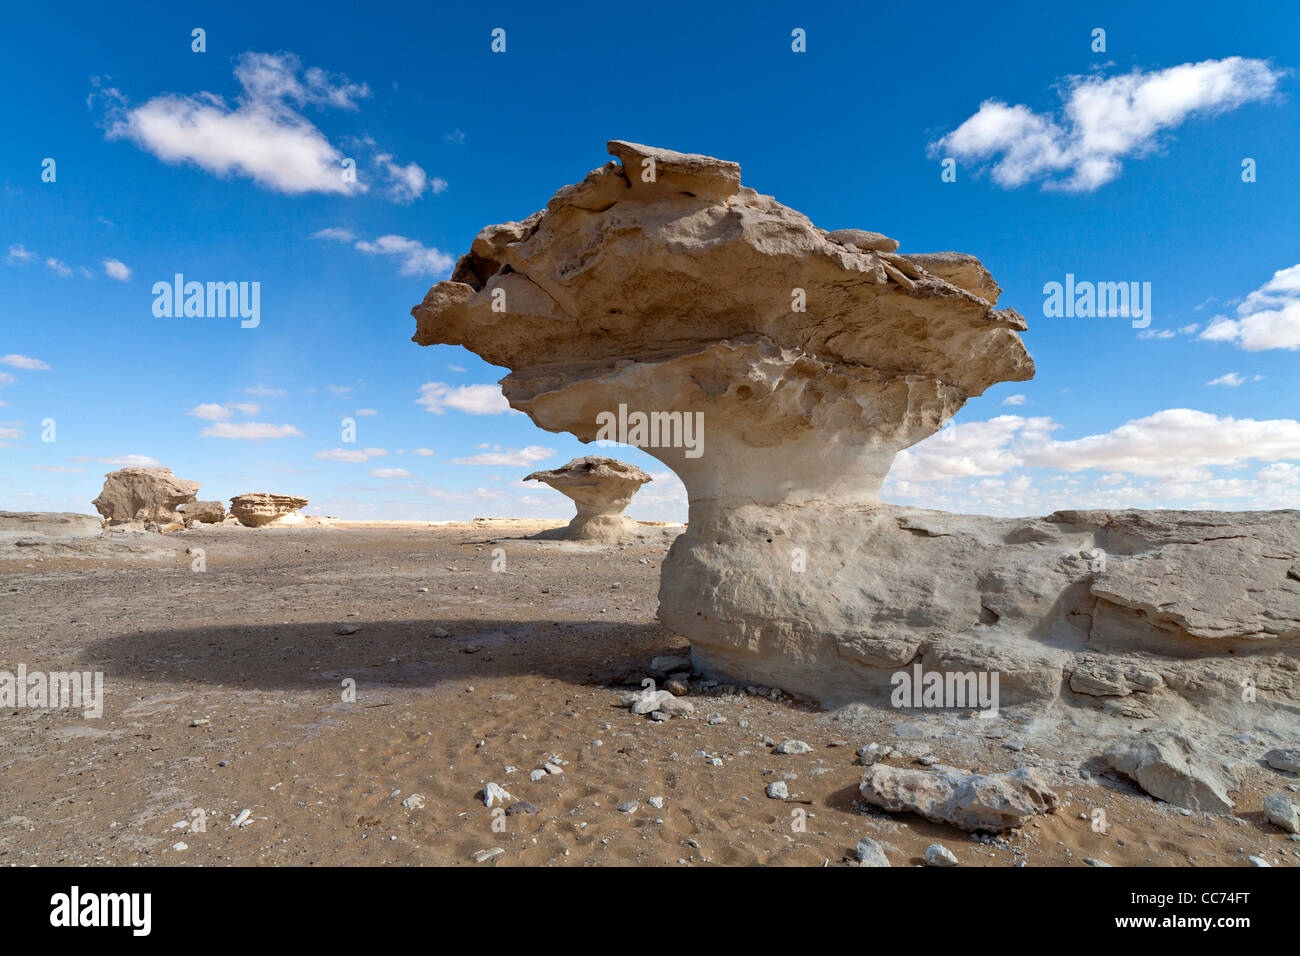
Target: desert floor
224, 693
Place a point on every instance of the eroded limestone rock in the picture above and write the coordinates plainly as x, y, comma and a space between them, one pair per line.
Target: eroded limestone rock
970, 801
143, 496
204, 512
601, 488
257, 509
1172, 768
662, 284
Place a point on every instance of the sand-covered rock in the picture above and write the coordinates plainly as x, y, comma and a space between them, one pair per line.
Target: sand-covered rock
257, 509
601, 488
144, 496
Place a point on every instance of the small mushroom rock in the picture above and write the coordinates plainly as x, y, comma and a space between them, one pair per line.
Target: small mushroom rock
601, 488
257, 509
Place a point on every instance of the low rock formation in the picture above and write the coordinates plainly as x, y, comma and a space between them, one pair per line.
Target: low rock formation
969, 801
257, 509
601, 488
203, 512
660, 284
143, 496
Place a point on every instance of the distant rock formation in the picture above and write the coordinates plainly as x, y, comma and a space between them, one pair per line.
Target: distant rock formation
257, 509
662, 284
144, 496
601, 488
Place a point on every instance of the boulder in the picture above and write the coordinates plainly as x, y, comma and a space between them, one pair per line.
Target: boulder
969, 801
143, 496
1281, 812
204, 512
257, 509
1285, 759
601, 488
1172, 768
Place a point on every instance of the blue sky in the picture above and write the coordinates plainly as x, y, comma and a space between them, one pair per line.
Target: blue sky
223, 165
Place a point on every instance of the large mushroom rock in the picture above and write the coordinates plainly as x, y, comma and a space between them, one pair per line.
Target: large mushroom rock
601, 488
143, 496
256, 509
663, 285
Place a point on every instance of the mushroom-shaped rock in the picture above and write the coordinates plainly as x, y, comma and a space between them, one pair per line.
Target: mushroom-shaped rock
256, 509
143, 496
661, 285
601, 488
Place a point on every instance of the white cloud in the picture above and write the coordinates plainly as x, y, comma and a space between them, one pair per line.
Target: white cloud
351, 454
416, 259
247, 408
130, 461
437, 397
1014, 400
365, 413
1156, 334
341, 391
210, 412
1269, 318
455, 368
511, 456
975, 448
11, 433
389, 473
1103, 120
423, 452
265, 392
18, 253
58, 266
264, 136
455, 136
250, 430
1231, 379
116, 269
25, 362
62, 469
335, 234
6, 379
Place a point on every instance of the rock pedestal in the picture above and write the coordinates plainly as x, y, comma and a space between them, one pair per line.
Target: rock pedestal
661, 284
144, 496
257, 509
601, 488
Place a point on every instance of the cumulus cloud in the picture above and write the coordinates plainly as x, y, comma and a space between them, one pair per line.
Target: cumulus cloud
413, 257
250, 430
24, 362
1268, 318
511, 456
438, 397
351, 454
116, 269
1103, 120
389, 473
263, 136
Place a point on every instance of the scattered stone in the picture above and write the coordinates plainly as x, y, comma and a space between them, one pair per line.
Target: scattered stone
348, 629
482, 856
439, 632
538, 775
1170, 767
793, 747
523, 806
1282, 812
1257, 861
778, 790
494, 793
1093, 861
414, 802
656, 802
1284, 759
871, 853
628, 807
936, 854
993, 802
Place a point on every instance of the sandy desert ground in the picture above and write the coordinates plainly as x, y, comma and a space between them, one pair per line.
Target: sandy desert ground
224, 693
